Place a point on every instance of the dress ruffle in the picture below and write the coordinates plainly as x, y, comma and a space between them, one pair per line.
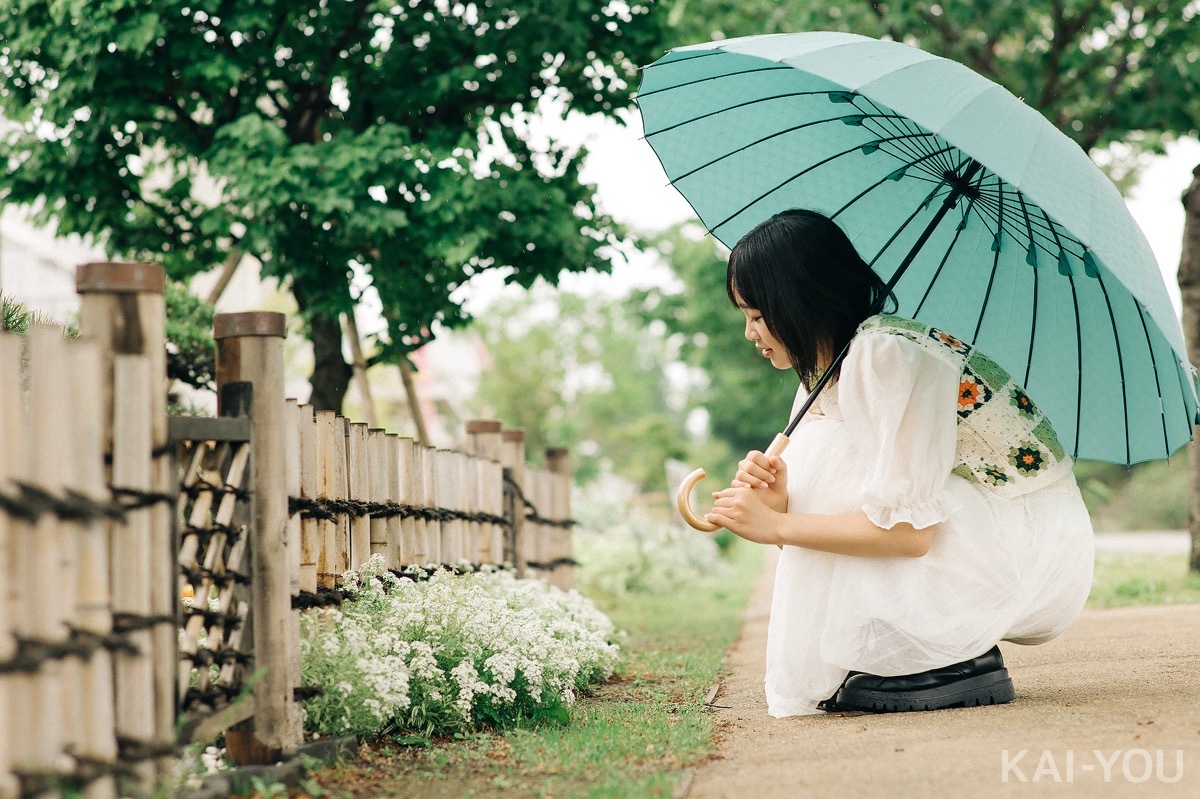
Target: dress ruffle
934, 510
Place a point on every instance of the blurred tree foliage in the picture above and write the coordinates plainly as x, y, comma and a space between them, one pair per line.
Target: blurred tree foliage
410, 142
1148, 496
587, 373
191, 351
745, 399
1103, 72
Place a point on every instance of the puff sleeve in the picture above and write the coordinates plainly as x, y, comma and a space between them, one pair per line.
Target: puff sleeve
898, 401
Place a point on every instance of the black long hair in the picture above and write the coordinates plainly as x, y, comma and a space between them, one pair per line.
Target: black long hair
800, 271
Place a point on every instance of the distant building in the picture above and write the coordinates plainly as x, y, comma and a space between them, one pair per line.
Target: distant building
37, 268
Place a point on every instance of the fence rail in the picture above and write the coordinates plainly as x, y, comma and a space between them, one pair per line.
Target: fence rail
154, 570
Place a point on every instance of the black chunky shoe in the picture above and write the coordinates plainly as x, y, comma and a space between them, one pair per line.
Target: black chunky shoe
978, 681
831, 705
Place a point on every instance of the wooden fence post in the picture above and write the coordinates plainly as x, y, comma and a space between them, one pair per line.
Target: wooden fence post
294, 414
122, 308
391, 478
12, 441
250, 348
460, 491
485, 441
51, 421
359, 484
444, 472
378, 475
331, 444
29, 752
428, 546
512, 457
558, 463
43, 615
97, 741
429, 498
412, 547
536, 533
310, 488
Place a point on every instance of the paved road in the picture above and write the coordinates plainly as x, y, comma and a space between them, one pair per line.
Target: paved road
1152, 542
1109, 709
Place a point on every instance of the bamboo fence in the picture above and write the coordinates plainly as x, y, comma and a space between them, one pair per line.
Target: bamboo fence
154, 570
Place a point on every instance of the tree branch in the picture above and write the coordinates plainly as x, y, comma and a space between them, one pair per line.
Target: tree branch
881, 15
1064, 32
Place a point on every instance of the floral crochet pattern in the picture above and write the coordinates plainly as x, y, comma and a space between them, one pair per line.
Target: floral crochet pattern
1027, 457
1022, 403
972, 393
944, 338
994, 413
995, 475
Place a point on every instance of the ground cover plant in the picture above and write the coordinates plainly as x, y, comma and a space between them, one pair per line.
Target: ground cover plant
449, 654
1123, 579
632, 735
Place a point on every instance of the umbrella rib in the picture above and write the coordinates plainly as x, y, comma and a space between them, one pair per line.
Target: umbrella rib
995, 265
991, 201
746, 104
1079, 361
1184, 394
1162, 413
1028, 225
1187, 406
941, 182
757, 142
1034, 269
1112, 318
689, 57
1032, 329
1040, 235
768, 193
901, 228
1078, 340
992, 198
906, 129
915, 153
1052, 232
945, 259
737, 74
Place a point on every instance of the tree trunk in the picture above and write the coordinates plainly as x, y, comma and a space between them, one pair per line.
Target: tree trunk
331, 374
1189, 287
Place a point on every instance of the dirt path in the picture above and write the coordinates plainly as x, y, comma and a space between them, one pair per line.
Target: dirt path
1110, 709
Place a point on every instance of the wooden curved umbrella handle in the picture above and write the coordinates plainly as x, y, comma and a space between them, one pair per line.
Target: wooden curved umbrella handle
683, 498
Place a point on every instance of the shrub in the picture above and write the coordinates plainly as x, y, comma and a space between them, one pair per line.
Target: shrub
450, 654
623, 549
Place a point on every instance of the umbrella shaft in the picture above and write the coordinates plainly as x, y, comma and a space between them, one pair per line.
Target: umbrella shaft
959, 187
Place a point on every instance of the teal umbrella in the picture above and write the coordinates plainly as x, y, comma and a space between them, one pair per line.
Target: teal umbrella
991, 223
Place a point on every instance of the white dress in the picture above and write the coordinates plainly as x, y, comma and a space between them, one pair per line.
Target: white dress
882, 439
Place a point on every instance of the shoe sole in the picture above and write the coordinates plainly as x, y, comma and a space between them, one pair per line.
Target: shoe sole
993, 688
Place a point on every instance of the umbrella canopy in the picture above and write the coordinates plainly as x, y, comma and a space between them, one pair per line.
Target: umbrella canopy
996, 227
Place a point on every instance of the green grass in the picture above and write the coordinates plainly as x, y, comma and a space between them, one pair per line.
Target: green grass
637, 733
1125, 579
632, 737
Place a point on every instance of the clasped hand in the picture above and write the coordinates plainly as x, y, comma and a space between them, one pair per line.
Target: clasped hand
753, 505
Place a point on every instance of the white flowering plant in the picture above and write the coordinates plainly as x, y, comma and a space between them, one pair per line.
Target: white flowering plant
451, 653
